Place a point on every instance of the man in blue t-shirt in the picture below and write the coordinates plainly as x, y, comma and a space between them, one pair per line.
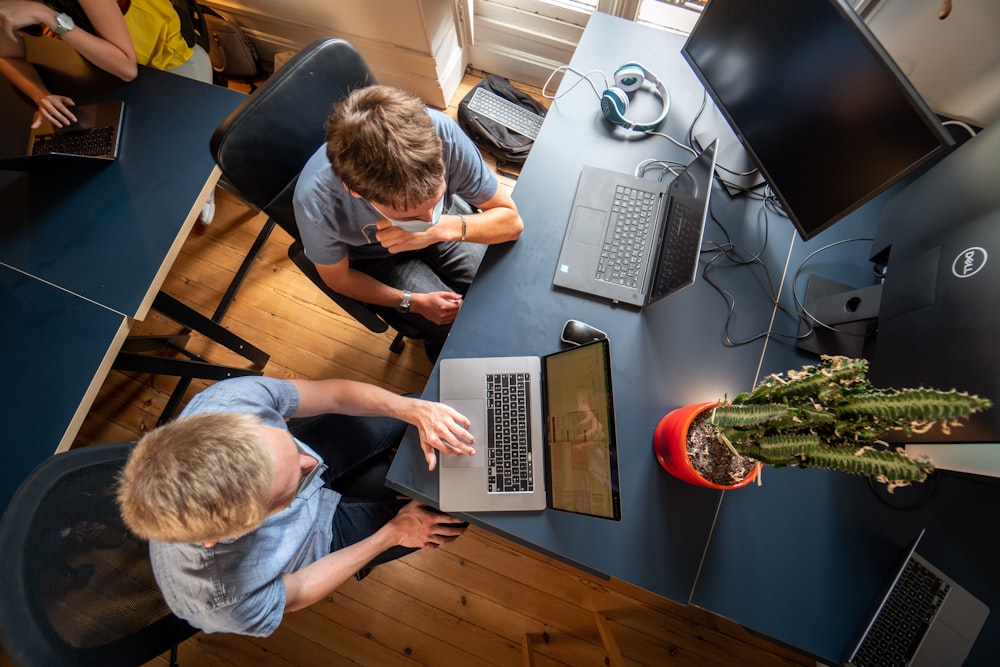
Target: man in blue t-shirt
373, 208
249, 517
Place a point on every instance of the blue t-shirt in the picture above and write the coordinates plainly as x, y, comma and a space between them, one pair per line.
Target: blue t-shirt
236, 585
335, 224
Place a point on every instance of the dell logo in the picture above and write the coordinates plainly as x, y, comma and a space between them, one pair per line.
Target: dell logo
969, 262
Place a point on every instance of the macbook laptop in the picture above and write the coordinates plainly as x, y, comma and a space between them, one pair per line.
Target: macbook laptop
94, 137
925, 618
634, 240
569, 459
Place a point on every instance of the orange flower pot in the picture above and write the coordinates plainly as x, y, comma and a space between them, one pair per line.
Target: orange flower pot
670, 446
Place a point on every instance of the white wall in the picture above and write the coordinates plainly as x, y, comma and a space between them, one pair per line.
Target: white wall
412, 44
954, 63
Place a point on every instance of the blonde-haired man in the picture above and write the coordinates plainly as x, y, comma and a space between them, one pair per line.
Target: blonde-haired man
248, 516
373, 206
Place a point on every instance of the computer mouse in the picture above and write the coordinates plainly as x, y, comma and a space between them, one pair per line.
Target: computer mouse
576, 332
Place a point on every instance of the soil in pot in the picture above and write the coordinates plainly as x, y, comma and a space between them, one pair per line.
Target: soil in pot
710, 457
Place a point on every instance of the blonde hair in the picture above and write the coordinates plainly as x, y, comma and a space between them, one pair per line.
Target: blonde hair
382, 144
198, 479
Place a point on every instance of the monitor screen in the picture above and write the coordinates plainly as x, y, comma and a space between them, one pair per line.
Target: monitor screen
816, 101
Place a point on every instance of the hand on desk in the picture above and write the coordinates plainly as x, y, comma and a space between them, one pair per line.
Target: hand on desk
441, 429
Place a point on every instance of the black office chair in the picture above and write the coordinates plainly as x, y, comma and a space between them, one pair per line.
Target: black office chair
76, 587
264, 143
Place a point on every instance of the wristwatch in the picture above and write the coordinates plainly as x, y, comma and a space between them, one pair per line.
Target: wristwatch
404, 305
64, 23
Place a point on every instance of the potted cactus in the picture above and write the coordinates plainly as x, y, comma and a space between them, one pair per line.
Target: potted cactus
822, 416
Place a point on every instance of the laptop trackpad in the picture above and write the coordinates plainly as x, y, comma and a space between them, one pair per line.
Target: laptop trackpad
475, 410
588, 226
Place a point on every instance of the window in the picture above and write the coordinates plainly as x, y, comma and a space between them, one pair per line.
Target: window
525, 40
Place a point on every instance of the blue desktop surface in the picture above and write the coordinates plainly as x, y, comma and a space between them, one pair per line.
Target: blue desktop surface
103, 231
816, 548
54, 346
800, 559
666, 355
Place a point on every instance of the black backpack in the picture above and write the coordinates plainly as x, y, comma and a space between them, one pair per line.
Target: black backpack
505, 145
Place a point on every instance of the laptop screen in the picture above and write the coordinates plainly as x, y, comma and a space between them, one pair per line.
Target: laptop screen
580, 432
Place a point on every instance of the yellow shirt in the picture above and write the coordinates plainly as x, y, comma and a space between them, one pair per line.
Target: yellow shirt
156, 34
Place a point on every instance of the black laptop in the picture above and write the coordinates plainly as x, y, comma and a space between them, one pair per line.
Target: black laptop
635, 240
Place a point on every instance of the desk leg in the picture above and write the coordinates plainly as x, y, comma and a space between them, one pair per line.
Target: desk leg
134, 357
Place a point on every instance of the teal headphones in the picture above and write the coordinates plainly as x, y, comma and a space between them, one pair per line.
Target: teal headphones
629, 78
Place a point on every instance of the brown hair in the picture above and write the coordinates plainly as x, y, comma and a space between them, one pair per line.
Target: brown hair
198, 479
382, 144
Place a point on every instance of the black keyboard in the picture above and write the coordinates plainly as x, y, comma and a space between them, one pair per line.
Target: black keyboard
95, 141
505, 112
904, 618
680, 250
627, 240
508, 450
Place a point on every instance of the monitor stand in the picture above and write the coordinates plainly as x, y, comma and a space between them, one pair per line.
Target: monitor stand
841, 317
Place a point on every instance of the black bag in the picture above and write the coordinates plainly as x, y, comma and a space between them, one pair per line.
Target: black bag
232, 53
492, 137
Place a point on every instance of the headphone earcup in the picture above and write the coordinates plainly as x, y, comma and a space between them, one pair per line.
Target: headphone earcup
614, 104
630, 77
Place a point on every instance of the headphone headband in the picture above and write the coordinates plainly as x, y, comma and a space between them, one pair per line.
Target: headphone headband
629, 78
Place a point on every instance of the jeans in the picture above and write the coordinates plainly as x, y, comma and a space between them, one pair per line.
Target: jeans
442, 267
356, 452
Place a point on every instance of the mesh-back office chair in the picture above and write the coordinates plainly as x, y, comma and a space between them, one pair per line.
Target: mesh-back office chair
264, 143
76, 587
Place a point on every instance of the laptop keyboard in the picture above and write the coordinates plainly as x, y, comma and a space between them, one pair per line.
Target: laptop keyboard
508, 450
94, 141
503, 111
680, 250
904, 618
628, 236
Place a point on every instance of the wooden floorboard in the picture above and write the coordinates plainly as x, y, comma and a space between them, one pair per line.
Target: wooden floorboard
468, 603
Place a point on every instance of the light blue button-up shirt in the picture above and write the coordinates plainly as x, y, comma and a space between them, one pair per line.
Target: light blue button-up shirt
235, 586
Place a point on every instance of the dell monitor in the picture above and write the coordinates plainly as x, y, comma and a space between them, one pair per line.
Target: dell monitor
816, 101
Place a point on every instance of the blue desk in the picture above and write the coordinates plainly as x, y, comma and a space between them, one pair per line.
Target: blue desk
110, 233
57, 350
662, 357
798, 560
83, 252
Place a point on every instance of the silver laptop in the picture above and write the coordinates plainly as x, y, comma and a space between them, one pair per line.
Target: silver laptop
925, 618
570, 457
95, 136
634, 240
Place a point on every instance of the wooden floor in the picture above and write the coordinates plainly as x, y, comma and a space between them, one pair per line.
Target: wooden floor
469, 603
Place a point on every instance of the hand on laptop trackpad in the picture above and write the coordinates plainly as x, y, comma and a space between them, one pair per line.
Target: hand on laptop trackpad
475, 411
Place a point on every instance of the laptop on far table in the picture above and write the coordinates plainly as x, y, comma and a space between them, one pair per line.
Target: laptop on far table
570, 457
634, 240
94, 137
925, 619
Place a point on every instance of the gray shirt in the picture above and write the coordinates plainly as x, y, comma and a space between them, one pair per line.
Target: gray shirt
236, 585
334, 224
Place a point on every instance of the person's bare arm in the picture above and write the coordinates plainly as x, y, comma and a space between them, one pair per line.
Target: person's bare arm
437, 307
414, 526
440, 427
497, 222
110, 45
111, 50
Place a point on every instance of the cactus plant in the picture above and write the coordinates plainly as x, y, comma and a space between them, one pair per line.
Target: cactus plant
830, 416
